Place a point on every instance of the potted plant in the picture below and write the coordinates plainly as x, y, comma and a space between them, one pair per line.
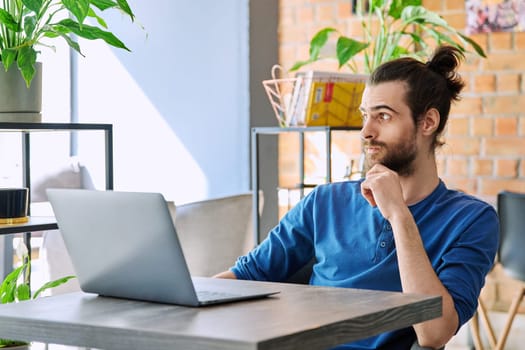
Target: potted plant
28, 25
15, 287
390, 29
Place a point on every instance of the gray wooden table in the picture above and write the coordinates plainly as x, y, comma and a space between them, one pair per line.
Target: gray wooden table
300, 317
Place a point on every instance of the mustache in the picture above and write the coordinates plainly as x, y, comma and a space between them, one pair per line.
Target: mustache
373, 143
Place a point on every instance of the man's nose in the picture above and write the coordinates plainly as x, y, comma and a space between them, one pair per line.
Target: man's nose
368, 130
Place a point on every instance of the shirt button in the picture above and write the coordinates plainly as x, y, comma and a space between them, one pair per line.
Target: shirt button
383, 244
388, 228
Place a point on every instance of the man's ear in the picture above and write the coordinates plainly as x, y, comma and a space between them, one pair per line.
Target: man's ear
430, 122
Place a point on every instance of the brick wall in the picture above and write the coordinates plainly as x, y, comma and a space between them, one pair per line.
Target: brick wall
485, 139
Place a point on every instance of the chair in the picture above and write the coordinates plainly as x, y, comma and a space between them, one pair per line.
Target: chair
53, 250
302, 276
511, 212
213, 233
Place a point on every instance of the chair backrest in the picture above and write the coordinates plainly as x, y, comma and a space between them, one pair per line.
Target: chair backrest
56, 260
303, 275
215, 232
511, 212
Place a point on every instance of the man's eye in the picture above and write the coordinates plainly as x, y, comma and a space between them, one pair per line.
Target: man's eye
384, 116
378, 117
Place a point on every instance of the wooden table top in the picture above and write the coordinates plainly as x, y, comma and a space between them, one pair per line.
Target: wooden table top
300, 317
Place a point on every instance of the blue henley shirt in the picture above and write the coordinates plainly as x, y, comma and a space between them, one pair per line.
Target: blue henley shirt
353, 246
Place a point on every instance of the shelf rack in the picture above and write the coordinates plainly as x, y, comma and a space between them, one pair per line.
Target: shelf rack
256, 132
49, 223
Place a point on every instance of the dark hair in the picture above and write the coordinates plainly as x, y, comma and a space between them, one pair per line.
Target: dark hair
434, 84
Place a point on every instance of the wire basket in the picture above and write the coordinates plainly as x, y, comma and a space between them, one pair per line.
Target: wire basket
279, 92
316, 98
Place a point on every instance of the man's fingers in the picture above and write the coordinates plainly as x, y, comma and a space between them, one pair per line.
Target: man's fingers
369, 196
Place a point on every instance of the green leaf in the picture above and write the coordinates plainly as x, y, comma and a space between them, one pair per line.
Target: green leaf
299, 64
399, 51
397, 7
318, 41
99, 19
26, 63
30, 25
119, 4
8, 286
347, 48
373, 4
8, 57
12, 276
474, 44
124, 6
416, 39
52, 284
441, 38
91, 33
51, 33
23, 292
103, 4
33, 5
79, 8
8, 20
392, 29
6, 343
421, 15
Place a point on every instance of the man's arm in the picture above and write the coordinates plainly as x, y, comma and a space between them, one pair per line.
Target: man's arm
418, 276
226, 274
382, 189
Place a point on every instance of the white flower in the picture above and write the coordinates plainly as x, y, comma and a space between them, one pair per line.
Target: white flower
21, 249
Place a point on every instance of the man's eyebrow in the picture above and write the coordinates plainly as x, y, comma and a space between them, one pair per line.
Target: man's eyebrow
378, 107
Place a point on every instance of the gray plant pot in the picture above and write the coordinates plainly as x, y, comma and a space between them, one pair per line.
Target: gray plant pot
17, 102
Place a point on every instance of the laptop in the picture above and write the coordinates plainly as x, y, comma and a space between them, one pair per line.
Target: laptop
125, 245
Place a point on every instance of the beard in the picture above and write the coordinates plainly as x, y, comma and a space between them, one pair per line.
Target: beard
398, 157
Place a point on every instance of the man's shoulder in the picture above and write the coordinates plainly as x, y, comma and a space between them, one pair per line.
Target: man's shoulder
463, 198
350, 185
339, 188
337, 193
464, 203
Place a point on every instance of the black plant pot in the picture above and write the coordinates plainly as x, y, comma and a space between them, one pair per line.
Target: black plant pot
13, 205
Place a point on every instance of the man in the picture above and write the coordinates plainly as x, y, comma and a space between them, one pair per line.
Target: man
399, 228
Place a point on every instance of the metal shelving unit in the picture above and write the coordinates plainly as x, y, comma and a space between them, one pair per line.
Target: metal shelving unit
257, 132
26, 129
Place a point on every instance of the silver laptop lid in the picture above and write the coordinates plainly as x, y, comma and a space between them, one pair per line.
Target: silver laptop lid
123, 244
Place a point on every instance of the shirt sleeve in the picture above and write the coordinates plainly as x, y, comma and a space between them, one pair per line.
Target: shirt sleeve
463, 268
287, 248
